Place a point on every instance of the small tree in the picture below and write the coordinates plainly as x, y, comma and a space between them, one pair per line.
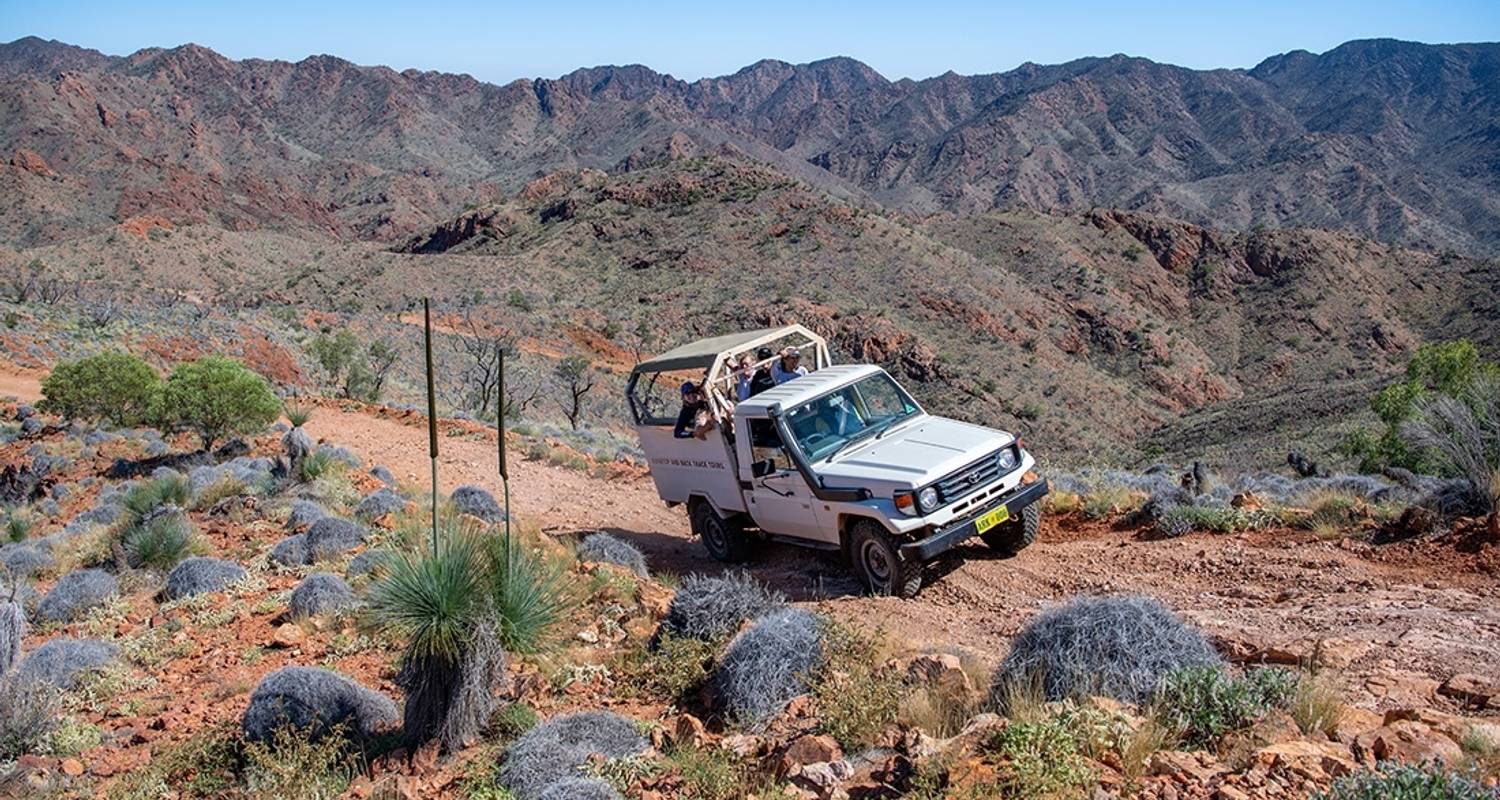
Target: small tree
481, 347
117, 388
1448, 369
578, 378
355, 371
216, 396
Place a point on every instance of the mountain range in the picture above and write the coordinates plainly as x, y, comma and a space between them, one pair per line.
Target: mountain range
1394, 141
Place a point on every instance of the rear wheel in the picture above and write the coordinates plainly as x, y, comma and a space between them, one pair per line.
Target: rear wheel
1012, 537
725, 539
879, 564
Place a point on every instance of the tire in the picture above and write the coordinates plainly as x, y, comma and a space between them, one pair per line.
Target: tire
725, 539
1012, 537
879, 564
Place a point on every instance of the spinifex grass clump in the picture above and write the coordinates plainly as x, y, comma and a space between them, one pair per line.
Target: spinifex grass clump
554, 751
74, 594
768, 665
608, 549
710, 608
1120, 647
316, 703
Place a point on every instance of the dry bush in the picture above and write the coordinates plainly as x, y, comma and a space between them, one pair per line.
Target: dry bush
1120, 647
768, 665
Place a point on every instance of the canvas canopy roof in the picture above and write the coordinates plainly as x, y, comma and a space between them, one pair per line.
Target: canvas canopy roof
703, 353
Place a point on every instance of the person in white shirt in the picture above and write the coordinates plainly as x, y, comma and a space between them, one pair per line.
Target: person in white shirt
744, 373
789, 366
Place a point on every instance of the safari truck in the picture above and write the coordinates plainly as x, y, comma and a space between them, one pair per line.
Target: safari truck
840, 459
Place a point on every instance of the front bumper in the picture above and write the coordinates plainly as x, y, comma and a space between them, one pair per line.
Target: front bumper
951, 536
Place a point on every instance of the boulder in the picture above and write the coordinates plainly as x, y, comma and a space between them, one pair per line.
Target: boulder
1408, 742
1319, 762
1475, 691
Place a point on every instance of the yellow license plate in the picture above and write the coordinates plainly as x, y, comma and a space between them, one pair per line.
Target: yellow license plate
992, 519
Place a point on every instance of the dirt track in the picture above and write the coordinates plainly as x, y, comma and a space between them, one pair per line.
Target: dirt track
1394, 615
1419, 607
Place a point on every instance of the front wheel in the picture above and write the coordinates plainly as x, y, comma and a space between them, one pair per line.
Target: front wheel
879, 562
1012, 537
725, 539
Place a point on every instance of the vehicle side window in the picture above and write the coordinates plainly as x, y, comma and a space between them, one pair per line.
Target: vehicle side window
766, 445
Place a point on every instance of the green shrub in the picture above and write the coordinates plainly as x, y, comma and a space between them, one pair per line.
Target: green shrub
290, 765
856, 697
222, 489
316, 465
144, 498
1440, 368
203, 766
673, 669
710, 774
1406, 782
513, 720
117, 388
18, 525
1202, 704
1041, 759
1216, 519
162, 542
217, 396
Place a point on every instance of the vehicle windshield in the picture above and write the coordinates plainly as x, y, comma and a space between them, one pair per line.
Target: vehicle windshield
823, 426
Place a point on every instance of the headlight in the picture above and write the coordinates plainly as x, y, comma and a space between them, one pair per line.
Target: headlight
927, 499
1007, 459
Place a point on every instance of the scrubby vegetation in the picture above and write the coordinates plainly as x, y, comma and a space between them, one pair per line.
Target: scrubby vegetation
1120, 647
112, 387
709, 608
768, 665
216, 396
1409, 782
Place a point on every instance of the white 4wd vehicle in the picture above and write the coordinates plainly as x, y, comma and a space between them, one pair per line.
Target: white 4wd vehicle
839, 459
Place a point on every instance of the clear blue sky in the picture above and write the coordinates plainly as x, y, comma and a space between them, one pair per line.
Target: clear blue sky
503, 41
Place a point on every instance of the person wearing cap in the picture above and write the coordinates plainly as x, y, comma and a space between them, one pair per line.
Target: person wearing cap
693, 421
762, 380
789, 366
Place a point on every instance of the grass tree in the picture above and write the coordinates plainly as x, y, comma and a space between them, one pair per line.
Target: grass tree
458, 613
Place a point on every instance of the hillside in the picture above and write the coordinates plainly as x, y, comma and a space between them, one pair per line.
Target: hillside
1394, 141
1088, 332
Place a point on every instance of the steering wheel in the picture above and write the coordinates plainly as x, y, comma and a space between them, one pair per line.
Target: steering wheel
814, 438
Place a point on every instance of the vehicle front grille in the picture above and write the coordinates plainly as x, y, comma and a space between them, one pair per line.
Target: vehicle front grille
963, 481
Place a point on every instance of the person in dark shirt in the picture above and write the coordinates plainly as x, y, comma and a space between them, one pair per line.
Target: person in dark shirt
762, 379
693, 420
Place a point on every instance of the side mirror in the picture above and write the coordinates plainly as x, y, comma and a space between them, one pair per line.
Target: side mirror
761, 469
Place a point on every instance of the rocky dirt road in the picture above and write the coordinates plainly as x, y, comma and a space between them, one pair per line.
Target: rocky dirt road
1391, 620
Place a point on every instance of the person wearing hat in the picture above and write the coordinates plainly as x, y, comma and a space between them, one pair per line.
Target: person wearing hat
789, 366
762, 379
693, 421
